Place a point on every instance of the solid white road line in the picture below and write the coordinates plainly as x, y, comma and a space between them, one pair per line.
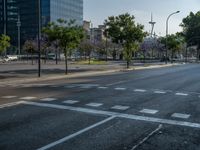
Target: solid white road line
8, 97
94, 104
120, 107
159, 92
27, 98
139, 90
149, 111
70, 102
117, 114
147, 137
181, 94
48, 99
11, 104
75, 134
179, 115
120, 89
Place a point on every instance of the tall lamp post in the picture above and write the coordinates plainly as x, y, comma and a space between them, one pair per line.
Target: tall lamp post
5, 20
19, 37
39, 38
167, 27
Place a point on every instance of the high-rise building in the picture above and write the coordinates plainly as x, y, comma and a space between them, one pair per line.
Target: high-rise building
51, 10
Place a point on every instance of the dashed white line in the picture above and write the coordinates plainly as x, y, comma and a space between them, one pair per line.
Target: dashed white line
120, 107
94, 104
139, 90
181, 94
8, 97
120, 89
117, 114
149, 111
48, 99
75, 134
11, 104
179, 115
159, 92
115, 83
70, 102
28, 98
102, 87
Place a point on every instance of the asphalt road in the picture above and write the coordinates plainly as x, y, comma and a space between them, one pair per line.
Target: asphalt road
156, 109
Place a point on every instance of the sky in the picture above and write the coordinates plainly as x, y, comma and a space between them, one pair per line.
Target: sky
97, 11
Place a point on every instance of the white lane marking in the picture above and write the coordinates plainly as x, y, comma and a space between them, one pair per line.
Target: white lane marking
159, 92
28, 98
70, 102
48, 99
149, 111
94, 104
102, 87
117, 114
181, 94
120, 107
182, 116
75, 134
115, 83
147, 137
11, 104
139, 90
8, 97
120, 89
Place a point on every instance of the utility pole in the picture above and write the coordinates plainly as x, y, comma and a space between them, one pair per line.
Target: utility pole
5, 20
19, 37
39, 38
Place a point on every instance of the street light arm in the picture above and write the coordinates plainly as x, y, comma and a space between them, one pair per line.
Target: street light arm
168, 20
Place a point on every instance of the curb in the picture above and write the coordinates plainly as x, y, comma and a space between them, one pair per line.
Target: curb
89, 73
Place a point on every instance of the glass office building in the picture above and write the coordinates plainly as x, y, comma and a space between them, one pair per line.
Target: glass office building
51, 10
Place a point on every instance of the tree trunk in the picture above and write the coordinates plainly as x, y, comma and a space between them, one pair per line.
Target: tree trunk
89, 58
32, 57
128, 64
66, 63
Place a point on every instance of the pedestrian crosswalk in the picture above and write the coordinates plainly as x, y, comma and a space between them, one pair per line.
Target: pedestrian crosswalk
116, 107
106, 88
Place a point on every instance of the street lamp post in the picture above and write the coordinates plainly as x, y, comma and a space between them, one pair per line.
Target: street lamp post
39, 38
167, 26
5, 20
19, 37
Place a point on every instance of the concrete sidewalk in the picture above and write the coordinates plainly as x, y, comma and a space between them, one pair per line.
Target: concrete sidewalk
28, 73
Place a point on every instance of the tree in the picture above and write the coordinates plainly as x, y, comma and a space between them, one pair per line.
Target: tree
4, 42
69, 37
52, 33
174, 43
86, 47
123, 29
30, 46
191, 30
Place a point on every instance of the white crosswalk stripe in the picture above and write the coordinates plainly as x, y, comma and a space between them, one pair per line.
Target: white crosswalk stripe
28, 98
94, 104
120, 107
70, 102
139, 90
48, 99
149, 111
179, 115
120, 89
8, 97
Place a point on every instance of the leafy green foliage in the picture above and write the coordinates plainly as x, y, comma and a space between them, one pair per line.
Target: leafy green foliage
4, 43
67, 34
123, 30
